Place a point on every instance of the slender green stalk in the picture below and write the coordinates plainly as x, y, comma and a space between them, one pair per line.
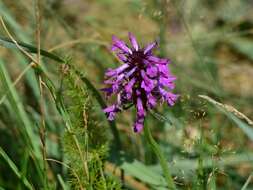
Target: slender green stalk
164, 164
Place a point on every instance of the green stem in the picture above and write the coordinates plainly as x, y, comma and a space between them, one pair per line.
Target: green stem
155, 147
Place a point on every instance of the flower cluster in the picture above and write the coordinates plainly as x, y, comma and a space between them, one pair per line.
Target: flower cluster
142, 80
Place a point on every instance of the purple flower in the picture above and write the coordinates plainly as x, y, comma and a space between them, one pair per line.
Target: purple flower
142, 80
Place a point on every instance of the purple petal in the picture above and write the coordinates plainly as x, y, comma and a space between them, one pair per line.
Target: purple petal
147, 84
167, 82
143, 74
122, 57
112, 72
158, 60
117, 43
111, 112
151, 100
152, 71
111, 116
115, 80
109, 72
145, 62
171, 98
108, 91
128, 74
148, 87
168, 96
138, 125
140, 108
149, 47
120, 78
115, 87
109, 81
133, 41
164, 70
138, 92
129, 88
109, 109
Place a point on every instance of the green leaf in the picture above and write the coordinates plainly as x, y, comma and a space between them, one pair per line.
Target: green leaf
248, 131
61, 181
243, 46
143, 173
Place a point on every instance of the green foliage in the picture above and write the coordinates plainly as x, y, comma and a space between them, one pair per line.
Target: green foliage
85, 143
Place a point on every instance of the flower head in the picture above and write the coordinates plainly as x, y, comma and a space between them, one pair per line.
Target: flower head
142, 80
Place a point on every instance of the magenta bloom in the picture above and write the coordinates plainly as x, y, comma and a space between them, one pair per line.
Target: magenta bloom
142, 80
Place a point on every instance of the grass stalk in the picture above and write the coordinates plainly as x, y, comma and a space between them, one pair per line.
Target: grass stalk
41, 102
164, 164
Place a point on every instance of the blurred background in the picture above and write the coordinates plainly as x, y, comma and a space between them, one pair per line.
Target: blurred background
210, 44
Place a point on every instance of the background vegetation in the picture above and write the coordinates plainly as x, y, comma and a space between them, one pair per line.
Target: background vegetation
53, 134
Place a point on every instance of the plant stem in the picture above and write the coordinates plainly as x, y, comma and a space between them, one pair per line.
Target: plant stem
155, 147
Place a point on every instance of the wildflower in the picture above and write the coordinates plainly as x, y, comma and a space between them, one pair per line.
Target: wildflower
142, 80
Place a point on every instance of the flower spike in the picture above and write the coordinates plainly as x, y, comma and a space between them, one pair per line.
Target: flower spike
142, 80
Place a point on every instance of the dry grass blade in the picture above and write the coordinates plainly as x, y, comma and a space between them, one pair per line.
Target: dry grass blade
228, 108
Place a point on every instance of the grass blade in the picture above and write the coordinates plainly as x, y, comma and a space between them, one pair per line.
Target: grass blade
22, 117
5, 42
15, 169
63, 185
247, 182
